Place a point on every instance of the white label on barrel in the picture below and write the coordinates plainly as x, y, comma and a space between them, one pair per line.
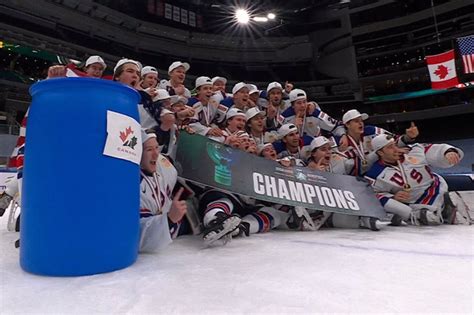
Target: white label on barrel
124, 138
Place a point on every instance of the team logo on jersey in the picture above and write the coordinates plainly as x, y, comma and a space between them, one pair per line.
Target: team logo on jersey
128, 139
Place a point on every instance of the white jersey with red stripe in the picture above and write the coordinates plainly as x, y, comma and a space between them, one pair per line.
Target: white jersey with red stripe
314, 122
413, 174
155, 203
364, 147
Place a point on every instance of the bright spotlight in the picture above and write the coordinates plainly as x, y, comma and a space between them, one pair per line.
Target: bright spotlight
260, 19
242, 16
271, 16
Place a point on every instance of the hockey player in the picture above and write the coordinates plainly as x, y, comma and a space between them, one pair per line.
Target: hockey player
240, 97
356, 145
208, 113
309, 119
160, 214
94, 67
234, 122
175, 85
324, 159
276, 105
291, 144
405, 184
255, 126
149, 77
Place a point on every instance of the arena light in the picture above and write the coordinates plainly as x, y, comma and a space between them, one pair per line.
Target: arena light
271, 16
260, 19
242, 16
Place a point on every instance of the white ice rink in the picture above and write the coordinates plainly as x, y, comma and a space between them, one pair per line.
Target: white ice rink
399, 269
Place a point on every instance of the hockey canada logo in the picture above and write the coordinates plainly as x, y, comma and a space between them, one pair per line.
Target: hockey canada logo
128, 139
124, 138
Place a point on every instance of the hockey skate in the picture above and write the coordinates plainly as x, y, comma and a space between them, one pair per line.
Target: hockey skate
300, 220
370, 223
242, 230
428, 217
449, 210
396, 220
222, 225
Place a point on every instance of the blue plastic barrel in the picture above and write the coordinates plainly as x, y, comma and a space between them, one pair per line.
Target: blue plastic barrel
80, 208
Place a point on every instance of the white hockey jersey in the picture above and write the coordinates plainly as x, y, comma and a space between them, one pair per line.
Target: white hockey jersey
206, 116
312, 124
413, 173
362, 154
155, 203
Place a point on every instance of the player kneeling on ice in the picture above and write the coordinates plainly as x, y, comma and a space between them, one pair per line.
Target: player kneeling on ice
322, 158
160, 214
405, 184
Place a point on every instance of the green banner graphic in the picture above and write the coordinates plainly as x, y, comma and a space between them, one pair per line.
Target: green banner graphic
213, 164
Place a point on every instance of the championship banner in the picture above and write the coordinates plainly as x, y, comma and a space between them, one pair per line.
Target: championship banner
204, 161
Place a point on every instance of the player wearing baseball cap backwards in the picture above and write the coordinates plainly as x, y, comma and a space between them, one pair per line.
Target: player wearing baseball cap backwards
356, 143
309, 119
405, 184
175, 85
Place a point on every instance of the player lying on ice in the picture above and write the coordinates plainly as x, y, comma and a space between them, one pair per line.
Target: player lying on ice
405, 183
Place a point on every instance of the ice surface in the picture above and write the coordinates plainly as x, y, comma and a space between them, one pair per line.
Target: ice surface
399, 269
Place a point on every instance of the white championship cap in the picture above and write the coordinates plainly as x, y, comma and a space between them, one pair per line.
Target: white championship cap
274, 85
253, 89
286, 129
161, 94
234, 112
146, 136
262, 147
252, 112
215, 79
200, 81
178, 98
165, 111
177, 64
148, 69
95, 59
380, 141
297, 94
352, 114
239, 86
318, 142
124, 61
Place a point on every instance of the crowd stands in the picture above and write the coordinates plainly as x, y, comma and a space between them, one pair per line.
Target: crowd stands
277, 123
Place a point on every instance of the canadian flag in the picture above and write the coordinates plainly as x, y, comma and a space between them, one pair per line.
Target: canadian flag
442, 70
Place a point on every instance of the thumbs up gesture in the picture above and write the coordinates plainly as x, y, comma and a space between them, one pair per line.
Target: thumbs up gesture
412, 132
178, 207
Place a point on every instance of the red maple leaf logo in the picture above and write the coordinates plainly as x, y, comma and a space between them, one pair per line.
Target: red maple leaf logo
124, 135
442, 71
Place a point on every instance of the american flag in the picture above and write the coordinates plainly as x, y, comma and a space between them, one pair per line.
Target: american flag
466, 47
